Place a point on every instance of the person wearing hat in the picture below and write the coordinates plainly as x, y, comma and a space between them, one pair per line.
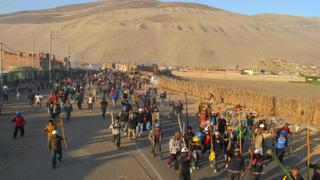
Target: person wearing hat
56, 148
256, 165
184, 164
236, 166
19, 122
49, 128
260, 137
196, 150
155, 137
281, 144
316, 169
226, 144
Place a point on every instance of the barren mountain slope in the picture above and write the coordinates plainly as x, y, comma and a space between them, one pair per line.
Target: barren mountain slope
151, 31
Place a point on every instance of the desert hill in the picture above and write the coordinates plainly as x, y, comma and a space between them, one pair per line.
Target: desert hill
149, 31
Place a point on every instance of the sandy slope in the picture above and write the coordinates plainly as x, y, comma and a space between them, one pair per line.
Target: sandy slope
171, 33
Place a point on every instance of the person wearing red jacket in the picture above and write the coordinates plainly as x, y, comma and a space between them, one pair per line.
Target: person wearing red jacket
19, 124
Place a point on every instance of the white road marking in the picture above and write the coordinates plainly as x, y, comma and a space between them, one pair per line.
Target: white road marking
149, 163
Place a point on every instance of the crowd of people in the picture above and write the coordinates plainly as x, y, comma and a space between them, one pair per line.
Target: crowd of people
243, 143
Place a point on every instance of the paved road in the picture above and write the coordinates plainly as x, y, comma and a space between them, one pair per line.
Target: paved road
91, 155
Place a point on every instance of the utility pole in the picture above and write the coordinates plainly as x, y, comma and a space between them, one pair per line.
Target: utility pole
52, 35
69, 57
1, 63
32, 50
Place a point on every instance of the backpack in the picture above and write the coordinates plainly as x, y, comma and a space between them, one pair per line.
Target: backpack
148, 126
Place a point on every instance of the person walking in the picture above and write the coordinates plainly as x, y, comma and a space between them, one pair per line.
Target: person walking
236, 166
56, 148
281, 144
163, 97
79, 100
155, 116
115, 96
18, 95
38, 99
103, 106
68, 109
294, 174
132, 125
316, 169
175, 144
140, 119
5, 93
90, 102
260, 138
256, 165
179, 108
171, 110
49, 128
184, 164
116, 131
31, 97
19, 122
155, 137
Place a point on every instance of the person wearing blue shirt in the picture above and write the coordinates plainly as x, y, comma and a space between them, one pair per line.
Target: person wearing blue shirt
281, 144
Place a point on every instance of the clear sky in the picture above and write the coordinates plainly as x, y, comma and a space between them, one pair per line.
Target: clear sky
292, 7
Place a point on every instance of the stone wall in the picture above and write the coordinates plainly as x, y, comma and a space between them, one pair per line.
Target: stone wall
304, 111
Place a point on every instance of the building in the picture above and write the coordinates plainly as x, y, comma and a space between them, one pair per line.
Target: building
109, 66
56, 63
40, 61
126, 67
28, 65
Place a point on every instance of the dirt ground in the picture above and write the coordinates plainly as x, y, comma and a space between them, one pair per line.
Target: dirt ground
91, 154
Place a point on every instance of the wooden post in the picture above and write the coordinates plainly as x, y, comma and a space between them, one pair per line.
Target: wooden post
308, 153
63, 135
181, 129
111, 114
240, 131
185, 94
252, 146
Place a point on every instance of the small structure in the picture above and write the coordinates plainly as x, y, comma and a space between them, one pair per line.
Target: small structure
247, 72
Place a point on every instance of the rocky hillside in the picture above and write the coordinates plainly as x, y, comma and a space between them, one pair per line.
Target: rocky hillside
149, 31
